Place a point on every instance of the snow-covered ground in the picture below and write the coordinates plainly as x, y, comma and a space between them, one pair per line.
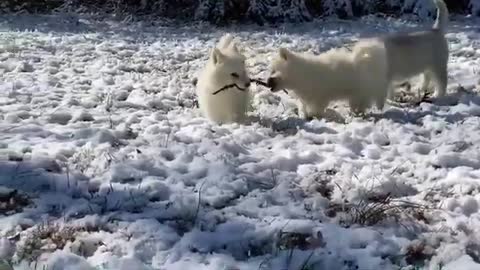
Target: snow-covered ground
114, 168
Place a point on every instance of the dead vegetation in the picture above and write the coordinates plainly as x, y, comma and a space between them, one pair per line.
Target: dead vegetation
302, 241
374, 208
291, 241
44, 238
379, 209
418, 252
13, 202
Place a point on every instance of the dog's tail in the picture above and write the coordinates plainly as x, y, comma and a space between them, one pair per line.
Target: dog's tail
442, 15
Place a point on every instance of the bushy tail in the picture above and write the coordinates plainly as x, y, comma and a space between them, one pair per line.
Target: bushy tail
442, 15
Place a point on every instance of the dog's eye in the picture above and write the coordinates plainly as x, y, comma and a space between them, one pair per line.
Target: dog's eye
235, 75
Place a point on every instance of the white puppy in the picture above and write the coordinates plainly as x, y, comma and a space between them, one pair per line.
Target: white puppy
369, 72
225, 67
420, 52
359, 76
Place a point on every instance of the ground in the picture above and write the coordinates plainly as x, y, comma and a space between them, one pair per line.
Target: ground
106, 163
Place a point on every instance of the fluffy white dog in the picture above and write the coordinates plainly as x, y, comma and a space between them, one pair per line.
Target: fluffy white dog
368, 72
223, 85
359, 76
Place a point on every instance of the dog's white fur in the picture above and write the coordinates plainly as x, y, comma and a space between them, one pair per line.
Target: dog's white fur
358, 76
420, 52
367, 73
225, 66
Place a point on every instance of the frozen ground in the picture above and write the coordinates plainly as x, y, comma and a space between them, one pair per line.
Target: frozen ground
105, 163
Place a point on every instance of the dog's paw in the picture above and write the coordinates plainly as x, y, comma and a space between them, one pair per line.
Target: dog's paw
427, 97
308, 118
334, 116
358, 113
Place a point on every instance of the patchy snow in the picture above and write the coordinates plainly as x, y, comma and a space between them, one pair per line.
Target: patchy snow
100, 139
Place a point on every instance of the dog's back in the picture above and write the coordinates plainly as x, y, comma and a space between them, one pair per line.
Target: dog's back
420, 52
412, 53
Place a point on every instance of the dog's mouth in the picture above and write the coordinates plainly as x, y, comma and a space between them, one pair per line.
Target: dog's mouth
267, 85
275, 89
228, 86
272, 83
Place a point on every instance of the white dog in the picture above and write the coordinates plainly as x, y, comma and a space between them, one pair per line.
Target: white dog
225, 70
359, 76
421, 52
367, 73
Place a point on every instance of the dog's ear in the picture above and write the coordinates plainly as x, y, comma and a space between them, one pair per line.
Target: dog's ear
234, 47
217, 56
284, 53
225, 41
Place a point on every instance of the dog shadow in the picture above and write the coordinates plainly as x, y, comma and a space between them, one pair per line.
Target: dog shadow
291, 125
407, 114
403, 113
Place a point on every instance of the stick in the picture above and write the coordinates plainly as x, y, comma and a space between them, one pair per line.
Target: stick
233, 85
264, 84
227, 87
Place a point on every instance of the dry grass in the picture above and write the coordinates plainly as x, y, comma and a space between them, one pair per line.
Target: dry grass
13, 202
291, 241
44, 238
376, 210
302, 241
417, 253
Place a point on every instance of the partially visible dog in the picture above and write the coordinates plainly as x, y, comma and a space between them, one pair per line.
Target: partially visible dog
420, 52
226, 66
359, 76
368, 73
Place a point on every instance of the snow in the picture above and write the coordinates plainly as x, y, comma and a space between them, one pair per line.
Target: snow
98, 128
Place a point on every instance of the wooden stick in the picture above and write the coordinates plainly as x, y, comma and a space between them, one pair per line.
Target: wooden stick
264, 84
233, 85
227, 87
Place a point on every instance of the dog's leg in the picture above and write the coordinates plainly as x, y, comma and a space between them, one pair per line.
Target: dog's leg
380, 102
441, 81
381, 97
317, 111
353, 105
391, 91
358, 105
427, 78
302, 109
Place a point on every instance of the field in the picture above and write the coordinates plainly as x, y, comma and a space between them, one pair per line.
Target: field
106, 163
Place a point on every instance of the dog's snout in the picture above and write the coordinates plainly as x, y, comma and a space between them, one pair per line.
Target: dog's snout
271, 82
247, 84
